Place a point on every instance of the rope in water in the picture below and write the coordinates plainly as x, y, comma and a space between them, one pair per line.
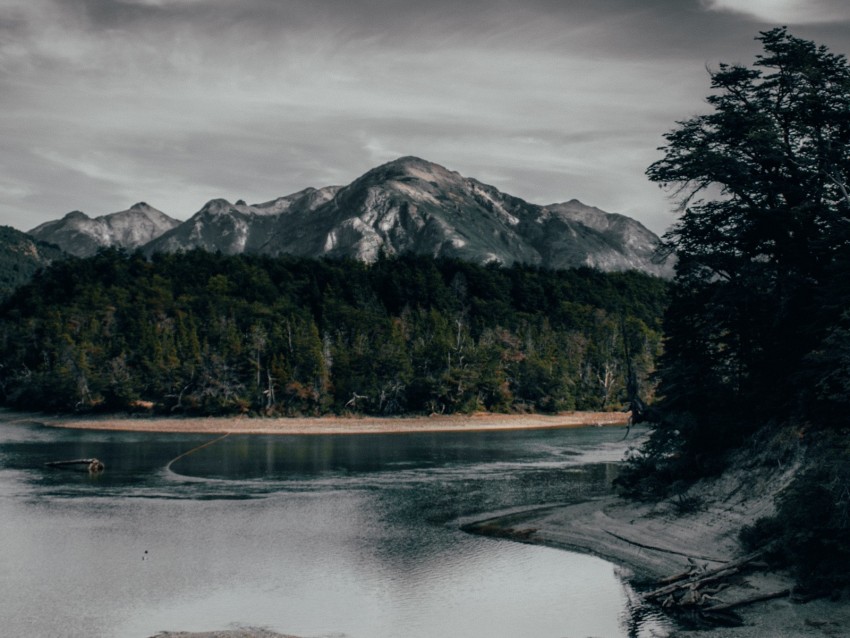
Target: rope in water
195, 449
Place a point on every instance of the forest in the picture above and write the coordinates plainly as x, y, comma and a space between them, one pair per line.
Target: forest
206, 334
757, 331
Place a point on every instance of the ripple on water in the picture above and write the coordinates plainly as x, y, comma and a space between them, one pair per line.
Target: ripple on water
310, 537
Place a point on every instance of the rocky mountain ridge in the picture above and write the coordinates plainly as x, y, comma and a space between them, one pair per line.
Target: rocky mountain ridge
80, 235
407, 205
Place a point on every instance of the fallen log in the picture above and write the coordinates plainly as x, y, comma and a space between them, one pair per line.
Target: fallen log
675, 578
707, 576
694, 569
92, 465
693, 583
782, 593
655, 548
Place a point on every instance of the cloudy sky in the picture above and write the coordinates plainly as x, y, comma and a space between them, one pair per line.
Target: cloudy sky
104, 103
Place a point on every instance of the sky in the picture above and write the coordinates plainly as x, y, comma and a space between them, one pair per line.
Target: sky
105, 103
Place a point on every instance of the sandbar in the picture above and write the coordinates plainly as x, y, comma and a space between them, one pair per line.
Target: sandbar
653, 540
330, 425
247, 632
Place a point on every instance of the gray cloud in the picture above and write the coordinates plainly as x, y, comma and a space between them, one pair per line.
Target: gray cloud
106, 102
794, 12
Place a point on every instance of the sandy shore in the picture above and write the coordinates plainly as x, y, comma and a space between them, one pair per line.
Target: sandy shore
330, 425
247, 632
651, 541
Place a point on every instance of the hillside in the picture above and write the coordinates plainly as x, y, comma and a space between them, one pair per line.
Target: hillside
20, 257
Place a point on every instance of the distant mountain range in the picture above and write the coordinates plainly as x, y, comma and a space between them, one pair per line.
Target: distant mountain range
408, 205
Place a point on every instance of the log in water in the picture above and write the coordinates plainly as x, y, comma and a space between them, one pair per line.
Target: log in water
91, 465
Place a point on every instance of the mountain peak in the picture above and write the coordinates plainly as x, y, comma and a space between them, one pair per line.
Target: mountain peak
411, 166
411, 161
407, 205
217, 206
80, 235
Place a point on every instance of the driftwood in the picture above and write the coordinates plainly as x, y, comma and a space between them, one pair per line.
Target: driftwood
675, 578
782, 593
694, 569
686, 580
689, 595
93, 466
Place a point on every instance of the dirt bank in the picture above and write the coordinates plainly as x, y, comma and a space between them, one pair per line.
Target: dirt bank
655, 540
247, 632
330, 425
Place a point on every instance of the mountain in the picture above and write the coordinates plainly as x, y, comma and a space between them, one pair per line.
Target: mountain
80, 235
607, 241
411, 205
20, 257
237, 228
407, 205
414, 205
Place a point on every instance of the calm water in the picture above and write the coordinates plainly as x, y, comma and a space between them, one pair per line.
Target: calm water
345, 536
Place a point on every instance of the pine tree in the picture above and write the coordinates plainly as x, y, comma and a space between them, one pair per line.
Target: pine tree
762, 182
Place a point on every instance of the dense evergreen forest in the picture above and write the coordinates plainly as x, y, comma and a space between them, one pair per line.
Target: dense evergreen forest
202, 333
757, 333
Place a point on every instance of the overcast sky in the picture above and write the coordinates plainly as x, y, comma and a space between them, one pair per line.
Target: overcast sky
104, 103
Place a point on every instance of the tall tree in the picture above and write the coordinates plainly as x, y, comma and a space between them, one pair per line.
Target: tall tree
762, 181
204, 333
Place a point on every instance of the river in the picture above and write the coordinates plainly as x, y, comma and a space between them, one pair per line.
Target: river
318, 536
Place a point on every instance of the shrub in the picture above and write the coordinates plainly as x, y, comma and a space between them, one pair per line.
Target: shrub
811, 530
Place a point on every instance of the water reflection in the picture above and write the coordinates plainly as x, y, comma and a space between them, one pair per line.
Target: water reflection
346, 535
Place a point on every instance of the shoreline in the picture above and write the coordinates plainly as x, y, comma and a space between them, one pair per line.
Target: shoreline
483, 422
605, 527
245, 632
650, 541
645, 541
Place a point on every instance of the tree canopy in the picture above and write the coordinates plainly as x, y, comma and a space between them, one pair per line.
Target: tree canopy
757, 332
762, 242
206, 333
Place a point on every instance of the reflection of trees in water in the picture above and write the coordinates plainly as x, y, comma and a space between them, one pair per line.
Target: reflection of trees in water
446, 496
